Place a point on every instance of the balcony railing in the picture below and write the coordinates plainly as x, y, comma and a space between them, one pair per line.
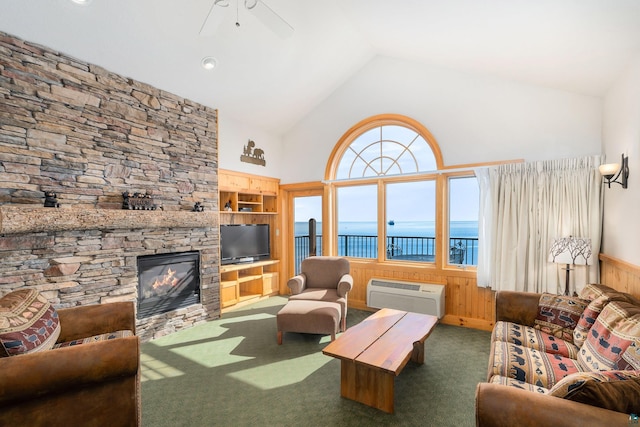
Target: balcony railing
462, 250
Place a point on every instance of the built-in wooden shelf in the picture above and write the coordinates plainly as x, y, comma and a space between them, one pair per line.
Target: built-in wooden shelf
243, 282
252, 199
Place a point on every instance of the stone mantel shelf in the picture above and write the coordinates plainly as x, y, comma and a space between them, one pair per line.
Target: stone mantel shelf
16, 219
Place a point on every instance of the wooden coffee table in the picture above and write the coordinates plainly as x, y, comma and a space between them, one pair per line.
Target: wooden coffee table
374, 352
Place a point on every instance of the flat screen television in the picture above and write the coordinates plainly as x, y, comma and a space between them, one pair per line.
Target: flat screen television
244, 243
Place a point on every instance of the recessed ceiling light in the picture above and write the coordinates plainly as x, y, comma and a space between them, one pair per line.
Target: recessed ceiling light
82, 2
209, 63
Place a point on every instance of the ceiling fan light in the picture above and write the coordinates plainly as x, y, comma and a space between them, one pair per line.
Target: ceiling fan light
209, 63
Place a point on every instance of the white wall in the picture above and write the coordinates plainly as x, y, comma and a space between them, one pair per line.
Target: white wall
233, 137
474, 118
621, 134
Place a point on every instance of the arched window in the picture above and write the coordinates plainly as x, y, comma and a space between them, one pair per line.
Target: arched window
385, 179
384, 145
387, 149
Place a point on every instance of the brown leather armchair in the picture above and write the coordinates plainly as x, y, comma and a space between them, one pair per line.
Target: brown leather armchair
93, 384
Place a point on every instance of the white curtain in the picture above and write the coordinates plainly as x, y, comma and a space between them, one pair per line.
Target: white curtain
523, 208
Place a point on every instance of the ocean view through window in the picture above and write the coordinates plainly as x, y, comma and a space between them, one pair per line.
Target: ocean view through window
388, 197
465, 231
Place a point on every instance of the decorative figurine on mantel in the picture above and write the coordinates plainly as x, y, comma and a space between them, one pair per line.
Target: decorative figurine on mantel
50, 200
198, 207
137, 201
227, 206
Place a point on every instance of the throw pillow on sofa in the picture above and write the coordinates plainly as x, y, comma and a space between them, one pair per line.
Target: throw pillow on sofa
28, 323
613, 390
631, 357
558, 315
614, 331
599, 296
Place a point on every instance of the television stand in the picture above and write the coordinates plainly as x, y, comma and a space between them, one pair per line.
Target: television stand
247, 282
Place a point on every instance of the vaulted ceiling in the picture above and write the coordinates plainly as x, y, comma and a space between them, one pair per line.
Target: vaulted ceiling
271, 81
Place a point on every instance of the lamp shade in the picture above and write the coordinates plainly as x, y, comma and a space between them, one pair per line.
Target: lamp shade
609, 169
571, 250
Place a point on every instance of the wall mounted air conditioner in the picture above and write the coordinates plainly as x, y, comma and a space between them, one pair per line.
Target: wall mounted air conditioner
425, 298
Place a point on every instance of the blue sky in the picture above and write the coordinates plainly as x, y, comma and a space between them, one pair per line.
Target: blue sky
405, 206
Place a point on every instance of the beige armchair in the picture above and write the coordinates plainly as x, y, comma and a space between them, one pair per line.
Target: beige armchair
326, 279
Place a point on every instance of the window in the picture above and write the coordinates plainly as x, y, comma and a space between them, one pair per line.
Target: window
386, 150
411, 218
357, 221
464, 203
386, 175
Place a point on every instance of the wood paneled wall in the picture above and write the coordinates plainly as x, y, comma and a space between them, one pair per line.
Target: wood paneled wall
620, 275
465, 303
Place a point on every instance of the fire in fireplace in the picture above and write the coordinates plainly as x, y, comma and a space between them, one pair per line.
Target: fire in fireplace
167, 282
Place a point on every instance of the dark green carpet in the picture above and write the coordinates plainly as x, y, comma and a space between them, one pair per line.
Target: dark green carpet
231, 372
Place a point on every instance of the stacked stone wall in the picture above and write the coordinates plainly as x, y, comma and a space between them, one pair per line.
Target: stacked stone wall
88, 135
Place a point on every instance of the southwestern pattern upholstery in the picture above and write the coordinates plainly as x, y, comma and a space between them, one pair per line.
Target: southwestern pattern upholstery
615, 329
512, 382
532, 366
531, 337
28, 323
96, 383
579, 354
558, 315
96, 338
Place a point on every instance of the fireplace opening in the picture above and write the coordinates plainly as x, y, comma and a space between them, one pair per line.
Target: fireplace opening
167, 282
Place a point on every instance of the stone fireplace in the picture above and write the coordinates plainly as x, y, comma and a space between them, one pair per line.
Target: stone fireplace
79, 257
88, 135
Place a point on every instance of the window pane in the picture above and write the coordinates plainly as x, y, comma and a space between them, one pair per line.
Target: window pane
357, 221
464, 202
304, 209
398, 133
366, 139
344, 166
411, 215
423, 152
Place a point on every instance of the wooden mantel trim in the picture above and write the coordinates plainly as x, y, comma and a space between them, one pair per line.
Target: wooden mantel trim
25, 219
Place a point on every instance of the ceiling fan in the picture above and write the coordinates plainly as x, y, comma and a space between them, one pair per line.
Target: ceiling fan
264, 13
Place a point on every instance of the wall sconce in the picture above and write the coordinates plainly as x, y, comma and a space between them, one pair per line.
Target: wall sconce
570, 251
610, 169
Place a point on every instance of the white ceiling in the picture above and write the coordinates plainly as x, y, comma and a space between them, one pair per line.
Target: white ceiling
272, 82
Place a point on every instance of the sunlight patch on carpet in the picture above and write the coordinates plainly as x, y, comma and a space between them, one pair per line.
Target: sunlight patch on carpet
283, 373
153, 369
212, 354
206, 331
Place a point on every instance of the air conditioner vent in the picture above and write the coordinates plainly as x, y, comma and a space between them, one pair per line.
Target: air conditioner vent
396, 285
426, 298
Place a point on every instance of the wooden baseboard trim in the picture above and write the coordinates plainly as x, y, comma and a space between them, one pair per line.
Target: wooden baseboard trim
467, 322
448, 319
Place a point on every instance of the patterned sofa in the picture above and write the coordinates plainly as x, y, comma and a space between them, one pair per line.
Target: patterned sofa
563, 361
71, 366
